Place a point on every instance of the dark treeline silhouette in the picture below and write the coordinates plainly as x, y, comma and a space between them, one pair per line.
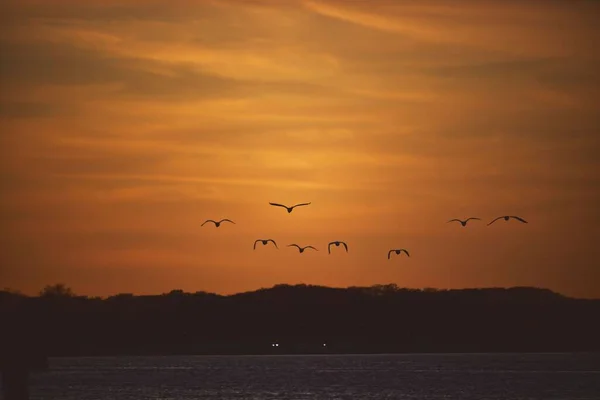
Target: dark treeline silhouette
301, 319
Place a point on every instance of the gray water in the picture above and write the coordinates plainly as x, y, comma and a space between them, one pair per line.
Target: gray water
410, 376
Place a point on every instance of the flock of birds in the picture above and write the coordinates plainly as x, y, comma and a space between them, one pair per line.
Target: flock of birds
337, 243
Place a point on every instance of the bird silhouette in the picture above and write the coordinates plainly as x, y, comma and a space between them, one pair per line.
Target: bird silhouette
301, 249
464, 223
507, 217
264, 241
337, 243
217, 223
398, 251
289, 209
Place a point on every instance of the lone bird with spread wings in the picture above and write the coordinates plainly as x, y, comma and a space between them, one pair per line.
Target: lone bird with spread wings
217, 223
507, 217
301, 249
397, 251
264, 242
337, 243
464, 223
289, 209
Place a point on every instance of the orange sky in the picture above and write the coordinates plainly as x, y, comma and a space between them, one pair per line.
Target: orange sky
125, 124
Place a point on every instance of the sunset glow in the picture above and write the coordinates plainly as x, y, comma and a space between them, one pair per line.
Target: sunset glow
126, 124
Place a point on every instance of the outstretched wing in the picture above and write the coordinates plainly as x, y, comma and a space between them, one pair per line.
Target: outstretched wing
457, 220
271, 240
301, 204
346, 246
329, 247
519, 218
209, 220
293, 244
404, 250
470, 218
256, 241
390, 253
278, 205
495, 220
310, 247
226, 220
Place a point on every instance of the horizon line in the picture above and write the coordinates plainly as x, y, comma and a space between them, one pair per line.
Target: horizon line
296, 285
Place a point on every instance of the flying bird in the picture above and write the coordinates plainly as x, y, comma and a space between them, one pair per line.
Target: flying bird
301, 249
217, 223
464, 223
337, 243
289, 209
507, 217
398, 251
264, 241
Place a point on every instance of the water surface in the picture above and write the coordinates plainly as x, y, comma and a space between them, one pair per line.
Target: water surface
410, 376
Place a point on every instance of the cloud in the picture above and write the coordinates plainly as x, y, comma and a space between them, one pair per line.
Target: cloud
155, 75
125, 121
131, 239
503, 69
87, 162
523, 29
165, 178
27, 109
96, 11
567, 77
47, 63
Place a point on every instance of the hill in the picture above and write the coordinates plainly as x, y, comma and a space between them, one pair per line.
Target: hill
301, 319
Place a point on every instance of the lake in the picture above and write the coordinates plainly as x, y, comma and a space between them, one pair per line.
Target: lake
407, 376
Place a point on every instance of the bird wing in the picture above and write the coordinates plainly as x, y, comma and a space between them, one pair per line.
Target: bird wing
310, 247
209, 220
473, 218
329, 247
495, 220
300, 204
293, 244
271, 240
345, 245
457, 220
278, 205
389, 253
226, 220
256, 241
519, 218
404, 250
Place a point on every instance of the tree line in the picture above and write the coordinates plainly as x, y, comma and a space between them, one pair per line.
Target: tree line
301, 319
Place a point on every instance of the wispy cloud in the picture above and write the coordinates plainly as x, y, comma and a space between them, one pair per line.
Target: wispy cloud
125, 122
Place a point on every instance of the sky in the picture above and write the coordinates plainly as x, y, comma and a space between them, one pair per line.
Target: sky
125, 124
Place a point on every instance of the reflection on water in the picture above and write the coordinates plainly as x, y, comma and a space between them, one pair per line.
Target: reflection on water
431, 376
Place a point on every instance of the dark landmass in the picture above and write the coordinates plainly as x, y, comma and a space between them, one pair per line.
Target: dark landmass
301, 318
